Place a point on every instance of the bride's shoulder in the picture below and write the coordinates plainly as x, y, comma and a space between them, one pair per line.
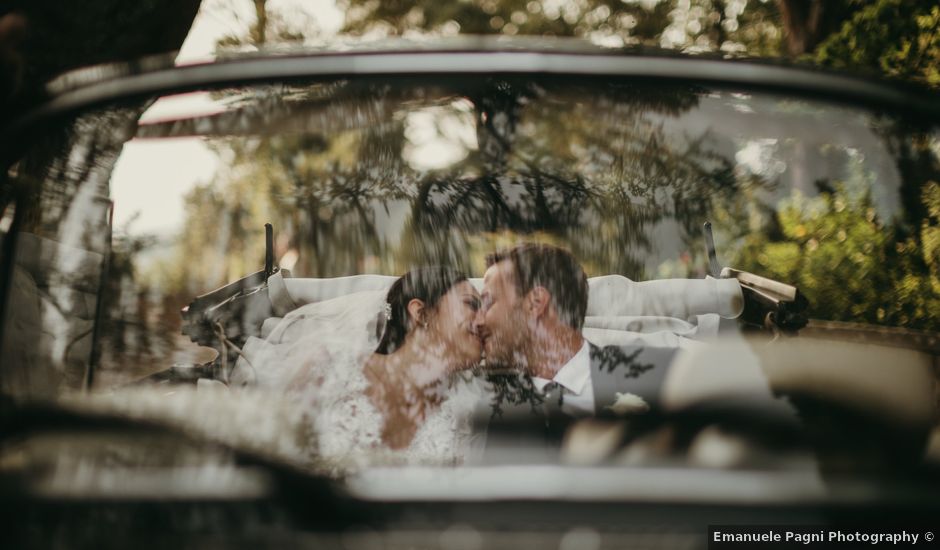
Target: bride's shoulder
374, 367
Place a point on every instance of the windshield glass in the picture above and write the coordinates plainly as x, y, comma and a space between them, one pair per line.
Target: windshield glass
425, 258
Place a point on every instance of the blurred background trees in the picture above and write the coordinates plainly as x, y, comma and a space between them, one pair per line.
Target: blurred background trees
40, 38
893, 37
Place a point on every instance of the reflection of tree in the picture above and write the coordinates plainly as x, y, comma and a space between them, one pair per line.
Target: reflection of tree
315, 187
558, 167
553, 166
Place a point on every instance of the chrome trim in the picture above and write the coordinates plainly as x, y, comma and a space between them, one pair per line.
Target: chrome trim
837, 87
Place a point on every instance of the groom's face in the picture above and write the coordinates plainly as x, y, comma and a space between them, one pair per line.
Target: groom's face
500, 321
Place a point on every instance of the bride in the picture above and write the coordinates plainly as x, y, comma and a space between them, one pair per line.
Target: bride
380, 374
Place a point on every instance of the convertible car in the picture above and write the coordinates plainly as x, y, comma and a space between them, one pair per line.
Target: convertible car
776, 227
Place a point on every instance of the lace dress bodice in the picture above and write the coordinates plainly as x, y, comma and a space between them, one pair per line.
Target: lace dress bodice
316, 358
348, 429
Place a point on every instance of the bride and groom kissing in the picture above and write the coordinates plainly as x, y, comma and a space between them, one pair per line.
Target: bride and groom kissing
415, 391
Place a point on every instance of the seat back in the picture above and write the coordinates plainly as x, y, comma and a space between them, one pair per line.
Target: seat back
620, 311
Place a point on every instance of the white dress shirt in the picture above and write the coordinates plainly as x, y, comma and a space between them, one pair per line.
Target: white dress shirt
575, 378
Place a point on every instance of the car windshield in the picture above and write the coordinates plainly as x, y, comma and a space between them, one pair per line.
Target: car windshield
141, 260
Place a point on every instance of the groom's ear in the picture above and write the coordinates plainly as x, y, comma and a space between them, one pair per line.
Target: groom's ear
538, 300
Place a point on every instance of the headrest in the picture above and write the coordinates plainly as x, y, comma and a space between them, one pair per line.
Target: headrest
608, 296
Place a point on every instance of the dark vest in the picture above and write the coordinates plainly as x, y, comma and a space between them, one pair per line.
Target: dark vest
522, 427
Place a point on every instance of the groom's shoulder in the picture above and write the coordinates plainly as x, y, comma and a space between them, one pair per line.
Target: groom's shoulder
638, 371
629, 359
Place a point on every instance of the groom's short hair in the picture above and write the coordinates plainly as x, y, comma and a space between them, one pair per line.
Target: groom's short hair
553, 268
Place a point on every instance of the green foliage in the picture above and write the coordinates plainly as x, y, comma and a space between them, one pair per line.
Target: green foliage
697, 25
930, 229
898, 38
501, 17
848, 263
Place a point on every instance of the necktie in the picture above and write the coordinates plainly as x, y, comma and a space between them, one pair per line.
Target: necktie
552, 399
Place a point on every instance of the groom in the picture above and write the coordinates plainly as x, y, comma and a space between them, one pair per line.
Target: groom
534, 302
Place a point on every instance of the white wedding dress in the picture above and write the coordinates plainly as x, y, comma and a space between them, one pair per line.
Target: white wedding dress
315, 357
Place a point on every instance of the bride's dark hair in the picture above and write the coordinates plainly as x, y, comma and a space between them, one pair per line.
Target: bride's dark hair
428, 284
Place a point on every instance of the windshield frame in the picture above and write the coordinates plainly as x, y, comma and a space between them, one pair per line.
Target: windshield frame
95, 85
